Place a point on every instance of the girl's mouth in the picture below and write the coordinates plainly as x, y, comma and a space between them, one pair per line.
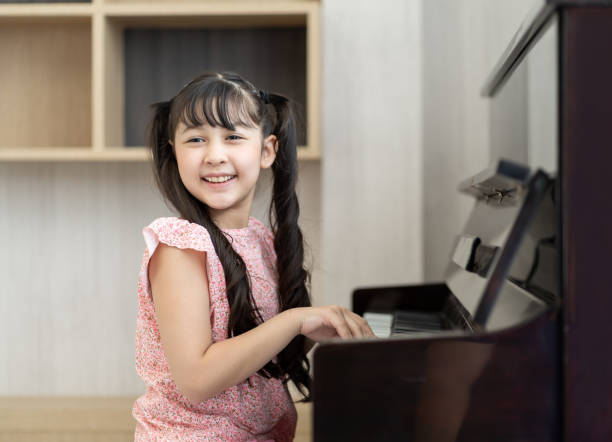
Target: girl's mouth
218, 179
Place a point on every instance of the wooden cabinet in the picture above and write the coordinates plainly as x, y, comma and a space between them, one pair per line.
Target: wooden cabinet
77, 78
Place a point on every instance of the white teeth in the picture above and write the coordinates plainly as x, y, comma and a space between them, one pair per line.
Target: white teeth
218, 179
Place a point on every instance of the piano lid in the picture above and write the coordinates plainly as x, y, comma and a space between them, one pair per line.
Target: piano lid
508, 199
525, 37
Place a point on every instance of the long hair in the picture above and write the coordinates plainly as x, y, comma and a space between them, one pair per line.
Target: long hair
225, 99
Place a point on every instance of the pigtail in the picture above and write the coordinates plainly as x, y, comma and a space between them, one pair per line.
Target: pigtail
158, 132
288, 240
164, 165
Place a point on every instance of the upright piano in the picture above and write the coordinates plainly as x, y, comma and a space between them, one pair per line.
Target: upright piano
512, 345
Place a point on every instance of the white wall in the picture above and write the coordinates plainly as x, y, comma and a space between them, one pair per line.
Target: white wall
71, 246
463, 40
371, 171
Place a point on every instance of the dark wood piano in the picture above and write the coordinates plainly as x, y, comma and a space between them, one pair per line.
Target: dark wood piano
512, 345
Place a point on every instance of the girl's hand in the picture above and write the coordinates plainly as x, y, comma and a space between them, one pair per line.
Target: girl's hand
332, 321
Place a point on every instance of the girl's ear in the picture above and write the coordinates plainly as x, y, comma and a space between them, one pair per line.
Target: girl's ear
268, 151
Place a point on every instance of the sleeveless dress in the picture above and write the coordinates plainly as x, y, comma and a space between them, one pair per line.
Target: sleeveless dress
262, 411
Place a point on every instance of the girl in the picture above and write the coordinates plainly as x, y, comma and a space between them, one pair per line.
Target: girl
225, 319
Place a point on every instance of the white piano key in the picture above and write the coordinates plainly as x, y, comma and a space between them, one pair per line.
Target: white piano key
380, 323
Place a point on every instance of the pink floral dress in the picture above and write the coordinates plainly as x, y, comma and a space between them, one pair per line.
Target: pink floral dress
262, 411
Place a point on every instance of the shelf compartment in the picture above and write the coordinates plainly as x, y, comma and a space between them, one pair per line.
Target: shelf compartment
151, 54
46, 87
158, 62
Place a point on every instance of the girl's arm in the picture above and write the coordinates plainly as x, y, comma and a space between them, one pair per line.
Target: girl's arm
202, 369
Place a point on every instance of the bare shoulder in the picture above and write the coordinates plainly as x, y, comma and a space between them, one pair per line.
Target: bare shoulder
175, 272
171, 258
179, 287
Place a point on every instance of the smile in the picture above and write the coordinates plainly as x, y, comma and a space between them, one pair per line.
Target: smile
218, 179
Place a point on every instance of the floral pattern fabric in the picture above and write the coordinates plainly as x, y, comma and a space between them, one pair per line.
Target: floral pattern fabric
260, 411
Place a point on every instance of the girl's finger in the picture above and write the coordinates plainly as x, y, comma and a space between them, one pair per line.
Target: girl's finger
367, 330
337, 320
358, 326
352, 323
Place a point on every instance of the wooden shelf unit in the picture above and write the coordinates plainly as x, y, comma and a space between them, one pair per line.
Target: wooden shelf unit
64, 91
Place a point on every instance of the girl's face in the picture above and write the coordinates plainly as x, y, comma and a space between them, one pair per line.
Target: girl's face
220, 167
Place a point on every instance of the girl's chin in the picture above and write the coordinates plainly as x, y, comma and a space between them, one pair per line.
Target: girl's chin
212, 204
217, 205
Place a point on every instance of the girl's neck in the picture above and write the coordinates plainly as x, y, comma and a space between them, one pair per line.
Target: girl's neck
227, 220
234, 217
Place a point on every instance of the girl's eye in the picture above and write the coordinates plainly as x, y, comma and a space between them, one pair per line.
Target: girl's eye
235, 137
195, 139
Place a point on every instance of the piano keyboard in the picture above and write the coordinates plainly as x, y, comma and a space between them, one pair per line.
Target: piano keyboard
380, 323
401, 322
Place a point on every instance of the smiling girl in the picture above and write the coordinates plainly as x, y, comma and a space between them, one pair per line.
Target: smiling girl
224, 315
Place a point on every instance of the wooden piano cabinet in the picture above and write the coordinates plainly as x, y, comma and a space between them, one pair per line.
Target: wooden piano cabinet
585, 160
453, 386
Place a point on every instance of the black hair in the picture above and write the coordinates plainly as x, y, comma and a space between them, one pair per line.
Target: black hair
226, 99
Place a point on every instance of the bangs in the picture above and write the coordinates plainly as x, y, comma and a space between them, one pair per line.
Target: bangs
217, 103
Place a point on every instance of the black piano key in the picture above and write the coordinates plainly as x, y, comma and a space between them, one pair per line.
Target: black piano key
410, 320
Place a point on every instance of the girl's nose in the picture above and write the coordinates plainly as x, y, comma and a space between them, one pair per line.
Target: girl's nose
214, 161
215, 155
